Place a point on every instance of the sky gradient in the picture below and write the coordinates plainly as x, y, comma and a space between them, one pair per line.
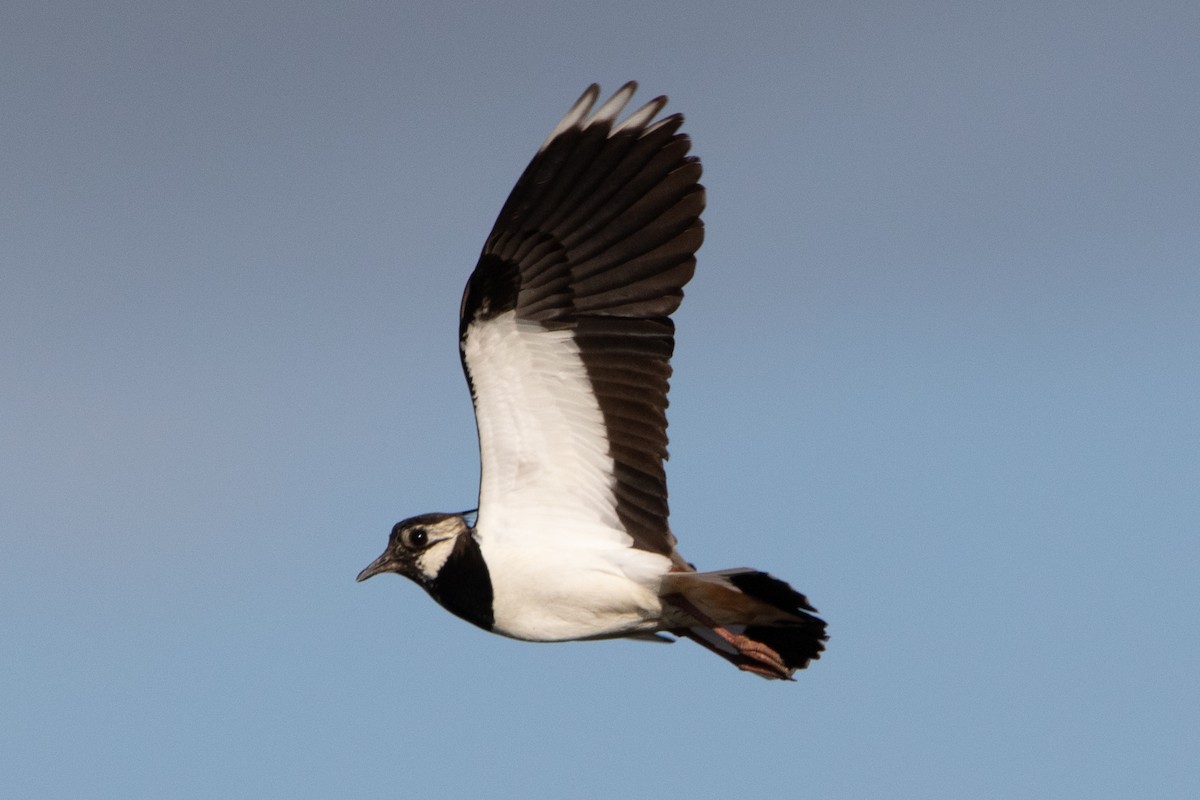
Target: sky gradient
937, 369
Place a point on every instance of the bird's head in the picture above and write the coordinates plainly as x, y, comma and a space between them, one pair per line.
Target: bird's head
419, 547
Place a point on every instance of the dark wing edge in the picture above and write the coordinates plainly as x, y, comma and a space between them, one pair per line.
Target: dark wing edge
599, 236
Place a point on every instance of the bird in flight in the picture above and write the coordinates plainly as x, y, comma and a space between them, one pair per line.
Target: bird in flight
565, 335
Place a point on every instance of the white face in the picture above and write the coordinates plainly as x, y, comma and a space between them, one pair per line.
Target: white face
441, 538
432, 558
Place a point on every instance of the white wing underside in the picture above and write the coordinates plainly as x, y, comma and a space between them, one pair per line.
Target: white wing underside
561, 564
542, 443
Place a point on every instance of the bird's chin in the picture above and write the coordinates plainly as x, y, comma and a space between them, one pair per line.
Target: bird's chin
382, 564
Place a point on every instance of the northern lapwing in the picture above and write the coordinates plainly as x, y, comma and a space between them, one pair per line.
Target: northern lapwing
566, 336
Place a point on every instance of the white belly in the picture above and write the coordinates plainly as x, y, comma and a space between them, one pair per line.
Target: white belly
553, 594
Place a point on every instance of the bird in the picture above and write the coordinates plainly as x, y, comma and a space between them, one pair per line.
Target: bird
565, 337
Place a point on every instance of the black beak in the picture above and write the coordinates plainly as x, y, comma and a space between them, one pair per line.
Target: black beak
382, 564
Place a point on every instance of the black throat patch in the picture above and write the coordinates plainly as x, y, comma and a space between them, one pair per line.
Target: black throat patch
463, 586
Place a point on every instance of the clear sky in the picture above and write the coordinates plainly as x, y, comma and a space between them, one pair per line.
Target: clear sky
938, 368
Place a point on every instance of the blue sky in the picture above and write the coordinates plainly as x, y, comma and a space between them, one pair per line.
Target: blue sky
937, 368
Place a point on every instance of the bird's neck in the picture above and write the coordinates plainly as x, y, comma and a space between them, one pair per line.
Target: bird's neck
463, 585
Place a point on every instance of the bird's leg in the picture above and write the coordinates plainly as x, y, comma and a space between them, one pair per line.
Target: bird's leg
752, 656
740, 661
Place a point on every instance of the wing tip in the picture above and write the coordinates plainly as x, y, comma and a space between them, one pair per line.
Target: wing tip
580, 116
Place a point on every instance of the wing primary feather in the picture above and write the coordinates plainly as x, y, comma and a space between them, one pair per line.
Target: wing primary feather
577, 112
612, 107
639, 118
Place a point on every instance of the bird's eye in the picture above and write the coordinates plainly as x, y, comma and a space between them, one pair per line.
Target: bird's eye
416, 538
